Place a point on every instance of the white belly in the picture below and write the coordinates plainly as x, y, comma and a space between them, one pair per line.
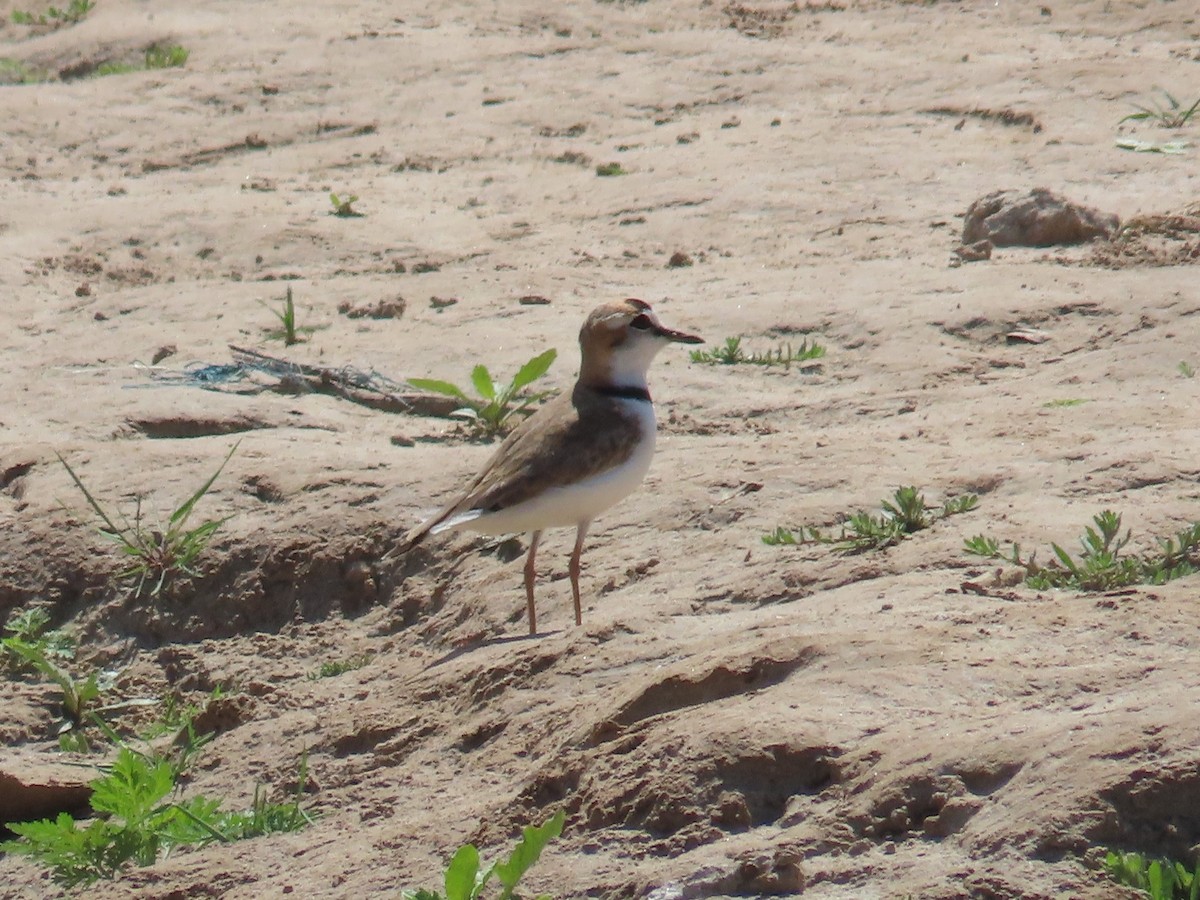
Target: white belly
569, 505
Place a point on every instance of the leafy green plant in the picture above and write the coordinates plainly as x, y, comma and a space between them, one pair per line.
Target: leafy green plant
14, 71
465, 880
74, 12
335, 667
904, 514
77, 695
1186, 370
1160, 879
343, 207
157, 555
488, 415
732, 354
1171, 114
610, 170
1101, 566
136, 822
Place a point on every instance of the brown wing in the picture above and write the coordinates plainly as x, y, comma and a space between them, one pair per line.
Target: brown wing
571, 437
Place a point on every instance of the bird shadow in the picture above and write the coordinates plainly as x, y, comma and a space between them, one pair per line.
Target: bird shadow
488, 642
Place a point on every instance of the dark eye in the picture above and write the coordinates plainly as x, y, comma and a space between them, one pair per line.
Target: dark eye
641, 323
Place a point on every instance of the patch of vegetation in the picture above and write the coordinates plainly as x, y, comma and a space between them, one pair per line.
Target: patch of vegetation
78, 696
74, 12
343, 207
154, 58
489, 414
1186, 370
1171, 114
1101, 566
13, 71
1159, 879
610, 170
1062, 404
903, 515
335, 667
157, 554
136, 822
465, 880
30, 628
732, 354
289, 332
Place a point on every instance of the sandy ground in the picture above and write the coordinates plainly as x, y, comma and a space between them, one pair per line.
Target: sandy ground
732, 718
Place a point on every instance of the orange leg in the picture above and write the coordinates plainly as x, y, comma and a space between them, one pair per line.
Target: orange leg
530, 575
573, 568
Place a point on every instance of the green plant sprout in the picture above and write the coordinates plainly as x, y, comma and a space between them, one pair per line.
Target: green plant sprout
1172, 114
1186, 370
1101, 566
905, 514
343, 207
610, 170
731, 354
136, 822
74, 12
289, 332
157, 555
465, 880
1158, 879
489, 415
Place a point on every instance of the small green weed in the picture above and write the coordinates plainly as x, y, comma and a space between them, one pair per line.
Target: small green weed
154, 58
906, 513
30, 628
610, 170
333, 668
488, 416
74, 12
1171, 114
1186, 370
77, 695
136, 822
289, 332
343, 207
1160, 879
1101, 566
157, 555
465, 880
732, 354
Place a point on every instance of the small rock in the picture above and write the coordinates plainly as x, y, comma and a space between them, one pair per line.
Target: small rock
679, 260
975, 252
440, 303
1039, 218
401, 440
84, 290
533, 300
162, 353
388, 308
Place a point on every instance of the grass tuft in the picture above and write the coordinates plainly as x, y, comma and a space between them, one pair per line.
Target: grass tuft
158, 555
1158, 879
732, 354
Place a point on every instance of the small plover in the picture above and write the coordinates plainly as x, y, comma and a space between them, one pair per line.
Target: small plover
580, 453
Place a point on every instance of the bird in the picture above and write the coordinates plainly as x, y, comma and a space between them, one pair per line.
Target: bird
579, 454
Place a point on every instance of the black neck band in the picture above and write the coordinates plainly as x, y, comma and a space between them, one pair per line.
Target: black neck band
625, 393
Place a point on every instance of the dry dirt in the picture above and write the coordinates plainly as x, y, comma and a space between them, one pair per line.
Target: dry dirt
732, 718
